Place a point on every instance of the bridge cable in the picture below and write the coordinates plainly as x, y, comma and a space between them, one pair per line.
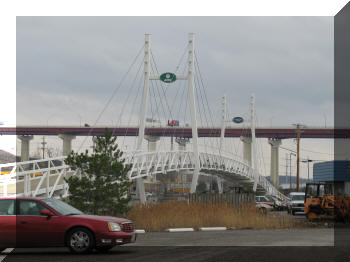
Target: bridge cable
206, 98
112, 96
132, 110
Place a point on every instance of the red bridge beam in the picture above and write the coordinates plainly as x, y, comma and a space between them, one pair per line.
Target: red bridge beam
281, 133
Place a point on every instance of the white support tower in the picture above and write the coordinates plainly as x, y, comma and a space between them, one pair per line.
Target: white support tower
223, 124
142, 121
190, 78
252, 123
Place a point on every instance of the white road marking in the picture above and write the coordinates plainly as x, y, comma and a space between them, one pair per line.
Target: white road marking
212, 228
186, 229
4, 253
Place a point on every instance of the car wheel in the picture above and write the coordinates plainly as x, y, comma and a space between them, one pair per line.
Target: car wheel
80, 240
103, 249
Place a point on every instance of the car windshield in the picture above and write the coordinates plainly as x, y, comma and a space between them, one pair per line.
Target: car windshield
298, 197
62, 207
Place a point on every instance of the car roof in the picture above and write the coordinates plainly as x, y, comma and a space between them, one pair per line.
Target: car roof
297, 193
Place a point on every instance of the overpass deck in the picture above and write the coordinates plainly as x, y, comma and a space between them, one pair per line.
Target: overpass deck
261, 132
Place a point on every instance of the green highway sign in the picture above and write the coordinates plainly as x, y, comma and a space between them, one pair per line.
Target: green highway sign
168, 77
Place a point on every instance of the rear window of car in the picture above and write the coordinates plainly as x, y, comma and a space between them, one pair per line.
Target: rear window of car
7, 207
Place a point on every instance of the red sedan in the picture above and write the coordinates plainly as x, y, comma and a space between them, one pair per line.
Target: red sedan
34, 222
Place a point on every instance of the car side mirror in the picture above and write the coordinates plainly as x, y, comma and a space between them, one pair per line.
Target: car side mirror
46, 212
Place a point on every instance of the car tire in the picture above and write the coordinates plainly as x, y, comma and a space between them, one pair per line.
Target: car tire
80, 240
103, 249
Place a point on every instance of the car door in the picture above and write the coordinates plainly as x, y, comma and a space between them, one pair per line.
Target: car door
7, 223
34, 229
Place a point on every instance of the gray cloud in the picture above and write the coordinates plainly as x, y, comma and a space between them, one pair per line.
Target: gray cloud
286, 61
68, 67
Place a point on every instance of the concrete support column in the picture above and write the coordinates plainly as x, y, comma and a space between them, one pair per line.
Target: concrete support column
247, 149
25, 146
152, 143
182, 141
219, 181
274, 167
67, 143
151, 147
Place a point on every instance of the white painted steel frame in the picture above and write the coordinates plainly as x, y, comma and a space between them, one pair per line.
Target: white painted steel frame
143, 164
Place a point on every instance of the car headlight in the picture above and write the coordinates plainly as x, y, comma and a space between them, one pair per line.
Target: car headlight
113, 227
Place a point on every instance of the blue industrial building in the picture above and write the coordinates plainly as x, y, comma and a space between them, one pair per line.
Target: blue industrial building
337, 172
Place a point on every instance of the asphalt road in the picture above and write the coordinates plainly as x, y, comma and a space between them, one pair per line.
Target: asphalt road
278, 237
231, 245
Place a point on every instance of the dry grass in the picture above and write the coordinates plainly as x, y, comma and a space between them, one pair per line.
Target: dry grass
158, 217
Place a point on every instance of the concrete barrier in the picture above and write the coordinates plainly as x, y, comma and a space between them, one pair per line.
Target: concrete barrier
179, 229
212, 228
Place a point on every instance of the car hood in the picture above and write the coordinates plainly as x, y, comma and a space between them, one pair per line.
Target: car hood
102, 218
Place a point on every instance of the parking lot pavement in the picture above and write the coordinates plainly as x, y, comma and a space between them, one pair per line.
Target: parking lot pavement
186, 254
278, 237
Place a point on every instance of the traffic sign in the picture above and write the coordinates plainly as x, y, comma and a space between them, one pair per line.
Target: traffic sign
238, 120
168, 77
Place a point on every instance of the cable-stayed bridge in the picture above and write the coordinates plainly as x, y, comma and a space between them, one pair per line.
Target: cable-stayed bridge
46, 176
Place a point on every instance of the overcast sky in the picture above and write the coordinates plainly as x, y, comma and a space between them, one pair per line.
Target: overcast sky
68, 67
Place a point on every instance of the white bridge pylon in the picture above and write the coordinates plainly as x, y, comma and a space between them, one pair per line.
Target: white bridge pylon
45, 177
143, 110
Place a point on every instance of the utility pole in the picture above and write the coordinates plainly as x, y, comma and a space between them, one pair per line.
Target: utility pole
43, 146
298, 155
298, 126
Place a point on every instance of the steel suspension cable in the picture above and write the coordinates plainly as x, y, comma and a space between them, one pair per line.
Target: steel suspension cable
112, 96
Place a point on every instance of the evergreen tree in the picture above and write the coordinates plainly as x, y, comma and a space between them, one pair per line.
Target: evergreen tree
103, 187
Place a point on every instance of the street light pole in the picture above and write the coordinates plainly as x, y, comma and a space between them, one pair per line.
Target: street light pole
290, 169
308, 160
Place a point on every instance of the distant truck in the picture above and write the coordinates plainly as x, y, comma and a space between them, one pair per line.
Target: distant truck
296, 203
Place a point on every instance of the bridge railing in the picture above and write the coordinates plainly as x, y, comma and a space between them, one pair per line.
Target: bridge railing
45, 176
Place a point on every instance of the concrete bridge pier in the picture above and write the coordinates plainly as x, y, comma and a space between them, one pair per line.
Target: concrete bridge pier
182, 141
152, 147
219, 181
140, 185
25, 146
247, 149
274, 167
67, 143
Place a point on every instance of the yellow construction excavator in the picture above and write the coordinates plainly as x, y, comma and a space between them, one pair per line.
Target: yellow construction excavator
322, 203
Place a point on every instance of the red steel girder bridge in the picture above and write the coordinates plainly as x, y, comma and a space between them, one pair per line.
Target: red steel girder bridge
262, 132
